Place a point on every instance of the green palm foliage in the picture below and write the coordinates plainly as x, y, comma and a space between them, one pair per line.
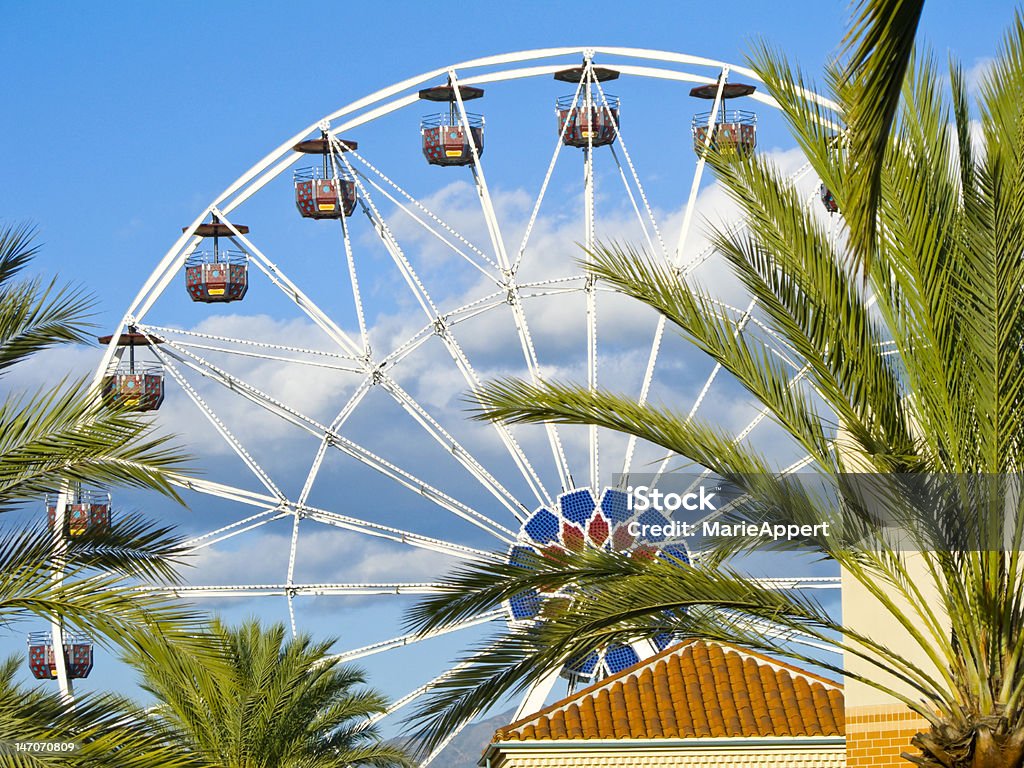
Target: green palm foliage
284, 704
61, 436
909, 363
106, 730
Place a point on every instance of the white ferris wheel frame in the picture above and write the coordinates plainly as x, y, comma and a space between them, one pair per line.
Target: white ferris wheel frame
354, 354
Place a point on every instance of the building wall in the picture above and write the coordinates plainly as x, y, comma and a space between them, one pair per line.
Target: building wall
878, 727
875, 736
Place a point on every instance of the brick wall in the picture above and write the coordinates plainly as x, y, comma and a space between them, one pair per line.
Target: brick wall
875, 736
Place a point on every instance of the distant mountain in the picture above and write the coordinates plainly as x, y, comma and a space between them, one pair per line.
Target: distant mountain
468, 746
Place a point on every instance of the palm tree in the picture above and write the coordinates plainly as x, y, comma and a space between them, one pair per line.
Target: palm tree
913, 365
62, 436
285, 704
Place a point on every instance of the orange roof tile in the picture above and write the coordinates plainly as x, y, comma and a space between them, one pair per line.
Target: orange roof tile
696, 690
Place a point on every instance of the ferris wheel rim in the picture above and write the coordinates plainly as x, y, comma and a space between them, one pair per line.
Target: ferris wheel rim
188, 238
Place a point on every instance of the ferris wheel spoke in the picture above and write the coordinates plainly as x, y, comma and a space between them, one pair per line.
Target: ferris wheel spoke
276, 511
636, 208
769, 629
595, 466
307, 485
443, 744
621, 140
718, 366
761, 415
498, 244
559, 143
691, 202
523, 464
397, 535
540, 294
442, 328
745, 317
464, 457
491, 266
636, 180
219, 425
234, 529
590, 293
293, 548
414, 694
490, 217
414, 484
274, 358
357, 298
298, 590
339, 421
537, 693
790, 470
223, 491
172, 332
461, 314
705, 253
409, 639
296, 295
349, 447
800, 582
780, 343
526, 342
391, 245
645, 389
737, 331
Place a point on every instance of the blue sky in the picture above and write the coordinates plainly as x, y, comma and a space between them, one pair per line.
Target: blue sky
122, 120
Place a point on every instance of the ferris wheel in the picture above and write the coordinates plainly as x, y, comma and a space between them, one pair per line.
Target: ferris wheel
326, 315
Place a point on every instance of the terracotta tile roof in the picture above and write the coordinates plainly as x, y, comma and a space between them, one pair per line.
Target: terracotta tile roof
696, 690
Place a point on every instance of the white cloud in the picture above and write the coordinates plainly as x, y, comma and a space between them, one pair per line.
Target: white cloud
323, 556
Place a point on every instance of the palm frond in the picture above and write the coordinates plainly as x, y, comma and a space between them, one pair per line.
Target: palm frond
619, 599
879, 45
518, 402
17, 249
63, 435
35, 316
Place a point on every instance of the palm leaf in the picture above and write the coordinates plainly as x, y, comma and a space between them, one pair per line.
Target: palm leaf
879, 43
